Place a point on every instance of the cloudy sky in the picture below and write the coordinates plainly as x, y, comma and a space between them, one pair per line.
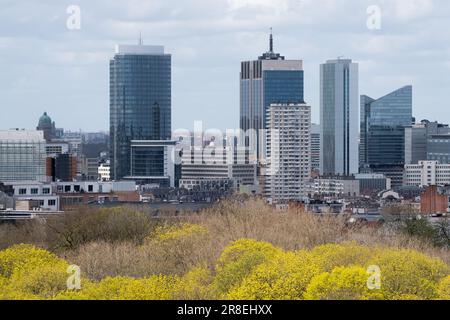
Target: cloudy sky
44, 66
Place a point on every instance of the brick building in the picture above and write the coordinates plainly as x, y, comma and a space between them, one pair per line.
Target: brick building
434, 200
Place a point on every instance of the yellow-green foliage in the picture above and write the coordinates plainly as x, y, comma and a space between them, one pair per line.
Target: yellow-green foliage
246, 269
32, 272
408, 272
195, 285
343, 283
124, 288
444, 289
177, 232
285, 277
347, 254
238, 259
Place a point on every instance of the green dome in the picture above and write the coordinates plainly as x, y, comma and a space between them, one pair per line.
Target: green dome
45, 121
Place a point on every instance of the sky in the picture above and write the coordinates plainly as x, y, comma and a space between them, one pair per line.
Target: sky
49, 64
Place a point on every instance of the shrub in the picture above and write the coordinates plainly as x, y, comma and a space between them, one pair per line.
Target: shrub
32, 273
343, 283
73, 229
164, 234
284, 277
444, 289
195, 285
330, 256
124, 288
238, 259
23, 258
408, 272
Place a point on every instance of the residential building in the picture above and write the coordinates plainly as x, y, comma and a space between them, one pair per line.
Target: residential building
339, 117
287, 166
315, 148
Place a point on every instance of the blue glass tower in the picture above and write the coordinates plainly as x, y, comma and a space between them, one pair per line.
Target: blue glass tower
382, 141
270, 79
140, 108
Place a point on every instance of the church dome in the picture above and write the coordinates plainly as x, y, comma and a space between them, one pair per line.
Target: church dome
45, 121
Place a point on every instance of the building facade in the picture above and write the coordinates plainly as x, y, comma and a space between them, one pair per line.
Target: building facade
22, 156
140, 104
339, 117
382, 133
333, 187
288, 150
427, 173
270, 79
315, 148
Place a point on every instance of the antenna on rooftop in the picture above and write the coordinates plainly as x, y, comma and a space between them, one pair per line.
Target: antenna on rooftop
271, 41
140, 38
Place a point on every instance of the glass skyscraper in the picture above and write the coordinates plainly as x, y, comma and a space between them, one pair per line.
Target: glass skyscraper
339, 117
140, 109
270, 79
382, 140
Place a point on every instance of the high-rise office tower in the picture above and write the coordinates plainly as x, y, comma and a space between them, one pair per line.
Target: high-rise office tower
427, 140
270, 79
288, 149
140, 110
383, 124
339, 117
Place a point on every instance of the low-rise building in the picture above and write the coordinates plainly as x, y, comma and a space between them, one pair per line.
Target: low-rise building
427, 173
434, 200
104, 170
61, 196
333, 187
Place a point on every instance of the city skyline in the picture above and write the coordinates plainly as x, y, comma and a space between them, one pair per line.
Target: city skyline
68, 69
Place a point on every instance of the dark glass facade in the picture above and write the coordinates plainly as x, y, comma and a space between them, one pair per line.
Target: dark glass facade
383, 131
140, 105
383, 124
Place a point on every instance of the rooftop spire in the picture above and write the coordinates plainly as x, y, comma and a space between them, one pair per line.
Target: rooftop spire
271, 41
140, 38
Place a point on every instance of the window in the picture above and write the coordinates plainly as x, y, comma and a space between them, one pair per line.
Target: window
46, 191
67, 188
90, 188
51, 202
34, 191
41, 203
76, 188
22, 191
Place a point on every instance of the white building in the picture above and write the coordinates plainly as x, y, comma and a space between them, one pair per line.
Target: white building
215, 163
43, 193
334, 187
22, 155
288, 151
104, 170
48, 194
427, 173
